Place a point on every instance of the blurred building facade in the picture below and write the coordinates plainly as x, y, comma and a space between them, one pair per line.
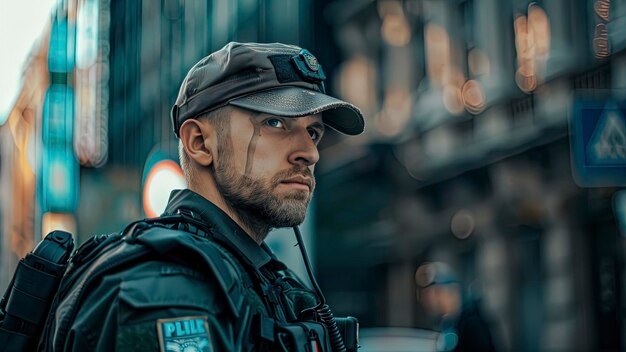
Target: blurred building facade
466, 158
467, 161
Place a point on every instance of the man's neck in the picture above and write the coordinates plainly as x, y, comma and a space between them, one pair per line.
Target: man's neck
249, 223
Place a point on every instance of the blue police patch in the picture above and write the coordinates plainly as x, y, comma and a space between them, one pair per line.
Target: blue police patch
184, 334
308, 67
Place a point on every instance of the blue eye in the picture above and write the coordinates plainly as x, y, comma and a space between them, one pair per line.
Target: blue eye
277, 123
314, 134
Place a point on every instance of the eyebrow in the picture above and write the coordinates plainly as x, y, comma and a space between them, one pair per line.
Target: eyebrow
319, 126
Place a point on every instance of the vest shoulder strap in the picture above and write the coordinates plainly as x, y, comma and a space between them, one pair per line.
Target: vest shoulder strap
99, 257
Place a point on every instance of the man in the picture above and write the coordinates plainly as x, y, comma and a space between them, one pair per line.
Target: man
461, 323
249, 118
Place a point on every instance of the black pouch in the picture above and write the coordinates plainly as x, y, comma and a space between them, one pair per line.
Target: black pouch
349, 330
26, 302
302, 337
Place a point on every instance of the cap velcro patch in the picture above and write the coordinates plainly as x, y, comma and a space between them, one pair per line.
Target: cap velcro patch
184, 334
285, 72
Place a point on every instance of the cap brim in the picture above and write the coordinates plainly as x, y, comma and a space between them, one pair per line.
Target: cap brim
296, 102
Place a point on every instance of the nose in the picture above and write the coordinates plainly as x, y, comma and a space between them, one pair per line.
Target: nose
305, 151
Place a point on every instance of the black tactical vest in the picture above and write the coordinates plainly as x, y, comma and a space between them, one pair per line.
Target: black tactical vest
265, 308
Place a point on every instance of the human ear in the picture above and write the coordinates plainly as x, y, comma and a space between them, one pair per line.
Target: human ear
194, 136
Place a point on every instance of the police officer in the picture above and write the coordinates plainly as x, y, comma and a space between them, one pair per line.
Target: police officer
462, 325
249, 118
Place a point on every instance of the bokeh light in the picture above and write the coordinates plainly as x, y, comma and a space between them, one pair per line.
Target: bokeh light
539, 30
396, 111
473, 97
425, 274
462, 224
452, 99
396, 30
437, 44
478, 62
57, 221
603, 9
532, 43
357, 83
601, 46
164, 177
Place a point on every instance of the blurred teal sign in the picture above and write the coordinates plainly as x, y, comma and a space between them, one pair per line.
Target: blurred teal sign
59, 168
598, 143
62, 46
59, 176
58, 115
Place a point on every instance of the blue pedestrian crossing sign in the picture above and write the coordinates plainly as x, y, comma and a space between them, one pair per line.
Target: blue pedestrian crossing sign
598, 143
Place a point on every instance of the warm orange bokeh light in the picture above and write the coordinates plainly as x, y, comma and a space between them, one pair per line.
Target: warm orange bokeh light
603, 9
396, 112
478, 62
473, 97
58, 221
396, 30
532, 42
437, 44
162, 178
601, 41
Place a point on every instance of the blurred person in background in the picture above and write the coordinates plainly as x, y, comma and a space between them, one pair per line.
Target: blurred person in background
249, 118
460, 322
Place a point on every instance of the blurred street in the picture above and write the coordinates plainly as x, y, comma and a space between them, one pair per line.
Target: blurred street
493, 161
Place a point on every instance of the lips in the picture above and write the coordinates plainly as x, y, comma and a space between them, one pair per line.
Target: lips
299, 180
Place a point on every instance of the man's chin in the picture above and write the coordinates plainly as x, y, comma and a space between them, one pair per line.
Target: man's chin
292, 199
291, 213
289, 224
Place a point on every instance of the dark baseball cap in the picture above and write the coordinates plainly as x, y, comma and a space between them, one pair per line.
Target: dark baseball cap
278, 79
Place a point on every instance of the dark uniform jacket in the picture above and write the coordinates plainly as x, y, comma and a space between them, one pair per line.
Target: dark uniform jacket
473, 331
171, 301
466, 332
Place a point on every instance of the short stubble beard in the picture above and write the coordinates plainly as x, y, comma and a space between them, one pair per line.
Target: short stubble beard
254, 200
